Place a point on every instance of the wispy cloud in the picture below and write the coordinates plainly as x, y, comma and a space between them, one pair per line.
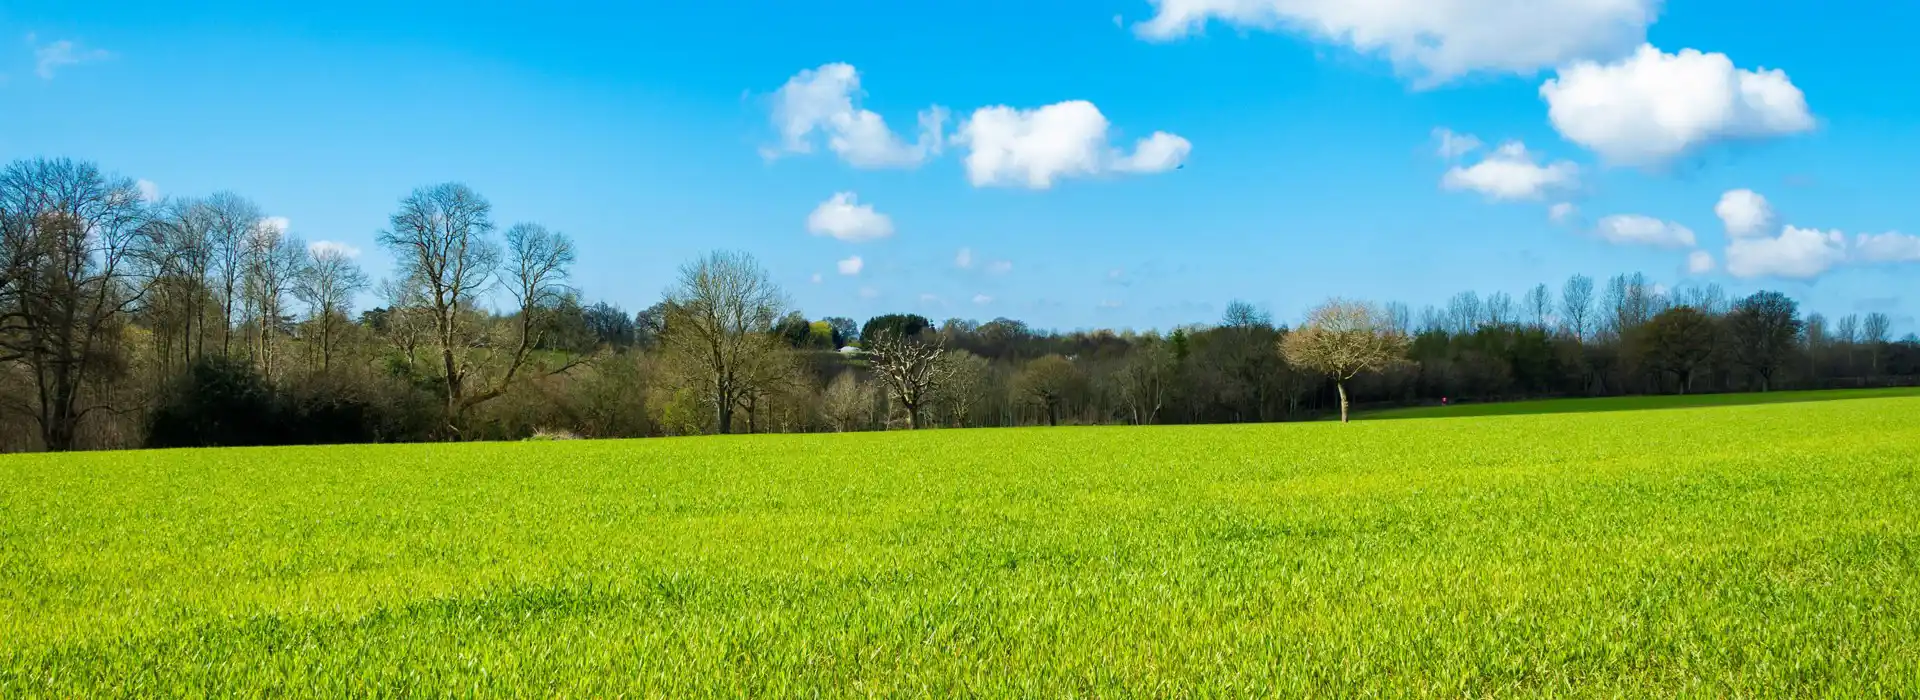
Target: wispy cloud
50, 57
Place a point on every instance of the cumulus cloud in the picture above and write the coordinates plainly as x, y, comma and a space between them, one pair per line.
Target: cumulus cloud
1744, 212
843, 217
332, 248
982, 299
1512, 173
1435, 40
852, 265
1652, 106
1700, 262
1033, 148
1634, 229
277, 223
963, 259
825, 101
51, 57
1454, 145
1887, 247
149, 192
1562, 212
1797, 253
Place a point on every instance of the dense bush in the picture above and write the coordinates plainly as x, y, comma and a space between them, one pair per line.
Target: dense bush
224, 402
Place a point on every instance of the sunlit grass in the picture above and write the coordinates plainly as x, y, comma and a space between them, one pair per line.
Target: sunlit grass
1762, 550
1633, 403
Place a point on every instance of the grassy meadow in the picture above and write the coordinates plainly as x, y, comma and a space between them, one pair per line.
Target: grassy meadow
1762, 550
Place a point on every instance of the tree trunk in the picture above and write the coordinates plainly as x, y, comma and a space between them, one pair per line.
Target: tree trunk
913, 415
1342, 387
724, 420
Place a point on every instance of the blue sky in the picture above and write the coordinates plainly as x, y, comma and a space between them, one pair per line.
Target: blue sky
1297, 156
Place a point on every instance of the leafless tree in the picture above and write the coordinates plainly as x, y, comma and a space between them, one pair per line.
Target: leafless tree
911, 368
848, 402
1500, 309
1048, 382
441, 240
1342, 339
1465, 313
1875, 331
966, 384
275, 262
1576, 305
720, 319
332, 279
75, 255
1540, 306
1146, 379
539, 265
233, 221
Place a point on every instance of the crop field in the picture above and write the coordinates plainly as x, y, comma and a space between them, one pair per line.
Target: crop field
1763, 550
1634, 403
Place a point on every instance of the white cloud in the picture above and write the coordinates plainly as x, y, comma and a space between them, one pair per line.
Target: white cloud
1155, 154
851, 266
825, 100
149, 191
1562, 212
1700, 262
1454, 145
931, 299
319, 248
1634, 229
1887, 247
1797, 253
963, 259
51, 57
1434, 39
982, 299
1011, 147
277, 223
999, 267
818, 278
842, 216
1110, 304
1744, 212
1511, 173
1653, 106
869, 293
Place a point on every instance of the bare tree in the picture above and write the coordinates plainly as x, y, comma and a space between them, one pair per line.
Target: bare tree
274, 265
1048, 382
1576, 305
1146, 379
1342, 339
75, 255
331, 280
964, 387
441, 240
1500, 309
848, 402
1765, 326
912, 369
539, 265
1465, 313
720, 318
1875, 331
1540, 306
232, 222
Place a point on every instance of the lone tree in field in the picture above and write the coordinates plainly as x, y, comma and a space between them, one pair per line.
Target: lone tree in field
1342, 339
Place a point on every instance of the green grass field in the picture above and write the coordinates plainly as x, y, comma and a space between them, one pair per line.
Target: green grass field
1630, 403
1766, 550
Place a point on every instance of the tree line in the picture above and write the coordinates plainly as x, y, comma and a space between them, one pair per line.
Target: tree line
198, 321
